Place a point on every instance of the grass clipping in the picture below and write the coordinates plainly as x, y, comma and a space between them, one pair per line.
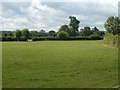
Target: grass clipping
112, 40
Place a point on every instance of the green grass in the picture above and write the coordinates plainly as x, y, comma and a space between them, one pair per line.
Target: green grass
59, 64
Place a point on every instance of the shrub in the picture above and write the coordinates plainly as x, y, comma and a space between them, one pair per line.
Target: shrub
8, 39
62, 35
38, 39
112, 40
94, 37
23, 39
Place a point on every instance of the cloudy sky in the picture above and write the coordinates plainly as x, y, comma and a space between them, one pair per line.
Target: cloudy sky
51, 14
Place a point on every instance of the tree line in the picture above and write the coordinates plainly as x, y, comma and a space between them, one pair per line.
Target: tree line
70, 31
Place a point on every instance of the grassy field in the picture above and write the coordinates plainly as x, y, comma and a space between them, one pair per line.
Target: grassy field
59, 64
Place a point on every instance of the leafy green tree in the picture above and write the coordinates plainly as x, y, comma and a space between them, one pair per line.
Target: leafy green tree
42, 33
10, 34
112, 25
18, 34
95, 29
86, 31
34, 34
4, 34
26, 33
62, 35
73, 25
65, 28
52, 33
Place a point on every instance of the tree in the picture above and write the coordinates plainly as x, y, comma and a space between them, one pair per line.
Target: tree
86, 31
62, 35
95, 29
65, 28
26, 33
73, 25
18, 34
42, 33
52, 33
34, 33
112, 25
10, 34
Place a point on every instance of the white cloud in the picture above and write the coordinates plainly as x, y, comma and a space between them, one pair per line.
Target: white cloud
50, 14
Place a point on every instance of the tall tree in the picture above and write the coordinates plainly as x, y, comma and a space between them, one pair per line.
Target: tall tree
52, 33
42, 33
73, 25
18, 34
65, 28
26, 33
34, 33
112, 25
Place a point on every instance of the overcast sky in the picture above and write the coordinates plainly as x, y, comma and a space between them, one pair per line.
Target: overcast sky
37, 15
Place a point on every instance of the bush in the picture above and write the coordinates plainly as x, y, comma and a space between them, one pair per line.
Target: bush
112, 40
94, 37
62, 35
38, 39
8, 39
12, 39
23, 39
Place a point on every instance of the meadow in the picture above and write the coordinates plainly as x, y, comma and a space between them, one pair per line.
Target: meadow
59, 64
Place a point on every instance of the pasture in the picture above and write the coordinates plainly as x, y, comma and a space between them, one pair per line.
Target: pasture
59, 64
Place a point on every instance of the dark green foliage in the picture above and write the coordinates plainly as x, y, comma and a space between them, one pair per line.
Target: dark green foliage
73, 25
26, 33
52, 33
95, 37
44, 38
86, 31
34, 34
23, 39
92, 37
18, 34
42, 33
8, 38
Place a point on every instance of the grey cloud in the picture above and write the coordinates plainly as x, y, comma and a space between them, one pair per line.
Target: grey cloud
89, 13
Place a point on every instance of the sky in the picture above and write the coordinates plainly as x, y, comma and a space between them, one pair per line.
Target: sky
51, 14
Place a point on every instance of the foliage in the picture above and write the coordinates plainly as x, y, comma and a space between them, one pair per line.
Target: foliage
52, 33
112, 25
86, 31
112, 40
73, 25
9, 38
34, 34
18, 34
42, 33
25, 33
65, 28
23, 39
62, 35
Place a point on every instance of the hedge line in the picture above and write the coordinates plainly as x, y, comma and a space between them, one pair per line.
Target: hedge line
12, 39
70, 38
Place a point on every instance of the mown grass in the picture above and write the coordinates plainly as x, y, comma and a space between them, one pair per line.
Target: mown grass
59, 64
